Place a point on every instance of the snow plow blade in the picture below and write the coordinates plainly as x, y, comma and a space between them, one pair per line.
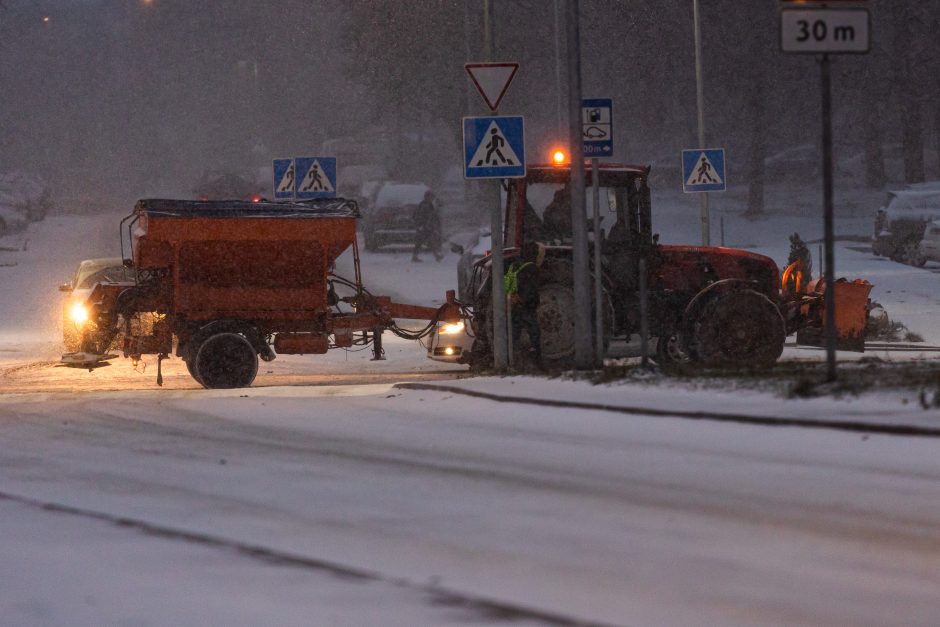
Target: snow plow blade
85, 360
851, 304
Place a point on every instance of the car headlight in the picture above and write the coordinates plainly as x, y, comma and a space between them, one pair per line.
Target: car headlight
78, 314
450, 329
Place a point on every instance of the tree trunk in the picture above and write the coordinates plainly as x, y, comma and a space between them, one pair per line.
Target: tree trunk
755, 194
911, 123
875, 175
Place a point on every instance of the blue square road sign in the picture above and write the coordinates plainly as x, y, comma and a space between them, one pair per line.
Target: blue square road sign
284, 174
597, 127
703, 170
316, 177
494, 147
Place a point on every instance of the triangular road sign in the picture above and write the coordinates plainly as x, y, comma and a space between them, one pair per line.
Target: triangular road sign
315, 180
492, 80
704, 173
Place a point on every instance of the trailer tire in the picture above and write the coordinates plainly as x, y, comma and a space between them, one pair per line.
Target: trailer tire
225, 361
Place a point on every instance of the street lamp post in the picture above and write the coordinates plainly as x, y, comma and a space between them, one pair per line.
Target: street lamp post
700, 98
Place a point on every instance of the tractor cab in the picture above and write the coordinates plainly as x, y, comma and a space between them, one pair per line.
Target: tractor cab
538, 207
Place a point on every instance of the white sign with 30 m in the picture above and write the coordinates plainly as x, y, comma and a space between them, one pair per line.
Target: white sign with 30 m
825, 31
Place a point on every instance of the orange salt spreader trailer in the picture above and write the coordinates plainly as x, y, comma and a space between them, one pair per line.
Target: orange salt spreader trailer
233, 281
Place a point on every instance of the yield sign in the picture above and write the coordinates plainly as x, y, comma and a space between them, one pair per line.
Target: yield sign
492, 80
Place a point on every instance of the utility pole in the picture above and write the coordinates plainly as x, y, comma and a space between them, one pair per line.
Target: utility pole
584, 353
558, 107
700, 98
500, 337
828, 211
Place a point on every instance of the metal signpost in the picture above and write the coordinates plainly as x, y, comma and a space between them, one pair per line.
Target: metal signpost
826, 31
700, 105
492, 81
597, 137
583, 349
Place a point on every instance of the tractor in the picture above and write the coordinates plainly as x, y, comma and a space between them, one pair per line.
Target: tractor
714, 306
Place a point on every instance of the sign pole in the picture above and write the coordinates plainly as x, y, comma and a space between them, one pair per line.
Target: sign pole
583, 352
700, 97
818, 28
826, 88
598, 286
498, 297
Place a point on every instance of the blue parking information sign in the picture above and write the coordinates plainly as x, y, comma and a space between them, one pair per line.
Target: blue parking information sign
284, 174
704, 170
597, 127
316, 177
494, 147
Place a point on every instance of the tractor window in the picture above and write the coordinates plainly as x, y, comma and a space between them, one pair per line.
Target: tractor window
552, 203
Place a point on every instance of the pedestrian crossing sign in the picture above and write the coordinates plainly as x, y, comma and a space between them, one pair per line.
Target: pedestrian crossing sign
494, 147
704, 170
315, 177
283, 179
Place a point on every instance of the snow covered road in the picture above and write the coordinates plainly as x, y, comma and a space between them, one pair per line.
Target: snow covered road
587, 515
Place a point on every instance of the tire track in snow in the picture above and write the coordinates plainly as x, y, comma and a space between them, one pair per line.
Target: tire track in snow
486, 608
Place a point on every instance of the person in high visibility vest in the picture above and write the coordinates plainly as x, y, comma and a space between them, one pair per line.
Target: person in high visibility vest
521, 282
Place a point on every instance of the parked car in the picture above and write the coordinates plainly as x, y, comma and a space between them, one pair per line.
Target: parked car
26, 194
390, 217
11, 220
901, 223
929, 249
449, 342
88, 274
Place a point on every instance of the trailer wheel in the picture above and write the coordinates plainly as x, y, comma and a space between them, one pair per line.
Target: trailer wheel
225, 360
740, 328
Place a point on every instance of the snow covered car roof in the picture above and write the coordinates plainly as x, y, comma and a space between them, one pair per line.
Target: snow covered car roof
400, 194
920, 204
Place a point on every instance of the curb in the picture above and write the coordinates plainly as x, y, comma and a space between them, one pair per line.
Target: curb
767, 421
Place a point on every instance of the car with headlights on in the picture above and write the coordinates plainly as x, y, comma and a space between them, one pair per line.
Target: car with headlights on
89, 273
450, 342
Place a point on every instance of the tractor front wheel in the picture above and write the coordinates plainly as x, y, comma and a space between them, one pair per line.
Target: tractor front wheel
740, 328
224, 360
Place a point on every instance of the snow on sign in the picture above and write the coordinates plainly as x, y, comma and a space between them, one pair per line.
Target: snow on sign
316, 177
597, 127
703, 170
284, 173
492, 80
494, 147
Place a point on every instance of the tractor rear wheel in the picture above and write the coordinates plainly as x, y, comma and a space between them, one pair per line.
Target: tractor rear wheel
740, 328
225, 360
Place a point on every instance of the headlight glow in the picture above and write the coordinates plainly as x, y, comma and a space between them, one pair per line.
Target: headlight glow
449, 329
449, 351
78, 314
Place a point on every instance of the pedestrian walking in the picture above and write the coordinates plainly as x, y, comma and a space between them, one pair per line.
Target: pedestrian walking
427, 228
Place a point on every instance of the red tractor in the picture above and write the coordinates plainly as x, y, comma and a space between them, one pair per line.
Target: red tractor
712, 305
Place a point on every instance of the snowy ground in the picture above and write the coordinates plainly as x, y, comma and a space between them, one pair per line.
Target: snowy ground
327, 496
